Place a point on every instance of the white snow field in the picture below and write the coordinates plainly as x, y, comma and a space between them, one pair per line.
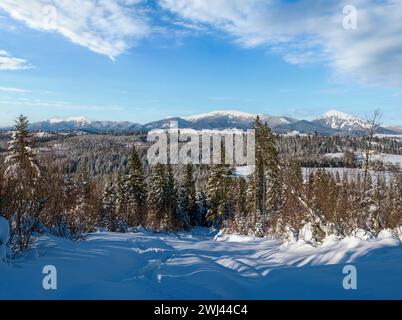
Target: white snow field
200, 265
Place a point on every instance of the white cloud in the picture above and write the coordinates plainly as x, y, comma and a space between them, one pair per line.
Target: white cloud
107, 27
8, 62
13, 90
307, 31
311, 31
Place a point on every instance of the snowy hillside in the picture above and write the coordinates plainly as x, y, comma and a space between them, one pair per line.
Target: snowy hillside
234, 114
145, 265
78, 121
343, 121
233, 119
82, 123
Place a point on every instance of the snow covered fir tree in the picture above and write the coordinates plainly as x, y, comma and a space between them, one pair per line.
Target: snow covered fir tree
22, 186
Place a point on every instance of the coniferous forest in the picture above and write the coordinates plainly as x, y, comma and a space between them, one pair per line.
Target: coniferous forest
71, 185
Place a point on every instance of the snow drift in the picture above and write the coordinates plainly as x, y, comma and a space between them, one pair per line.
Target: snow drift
203, 265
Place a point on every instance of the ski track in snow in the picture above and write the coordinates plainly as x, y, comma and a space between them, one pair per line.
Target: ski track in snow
146, 265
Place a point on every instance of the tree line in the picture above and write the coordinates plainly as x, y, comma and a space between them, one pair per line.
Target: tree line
274, 200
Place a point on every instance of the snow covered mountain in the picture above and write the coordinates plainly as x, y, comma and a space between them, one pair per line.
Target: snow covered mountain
84, 124
342, 121
330, 123
233, 114
78, 121
166, 123
220, 120
233, 119
306, 127
345, 123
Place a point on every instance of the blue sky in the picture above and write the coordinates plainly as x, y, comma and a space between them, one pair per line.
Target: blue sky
142, 60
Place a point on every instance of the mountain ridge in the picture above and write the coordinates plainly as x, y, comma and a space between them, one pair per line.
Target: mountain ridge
330, 123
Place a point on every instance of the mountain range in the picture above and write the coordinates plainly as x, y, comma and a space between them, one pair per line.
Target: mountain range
330, 123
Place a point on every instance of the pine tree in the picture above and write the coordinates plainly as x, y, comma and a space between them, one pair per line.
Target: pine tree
293, 212
122, 202
217, 192
183, 215
109, 208
187, 201
251, 204
155, 196
136, 189
162, 198
170, 199
259, 174
266, 177
273, 200
240, 207
23, 183
21, 163
188, 191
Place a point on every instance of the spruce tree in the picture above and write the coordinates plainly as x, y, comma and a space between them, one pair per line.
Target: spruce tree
266, 177
108, 214
23, 184
122, 201
191, 194
170, 198
183, 214
240, 206
137, 190
292, 211
217, 192
251, 203
162, 198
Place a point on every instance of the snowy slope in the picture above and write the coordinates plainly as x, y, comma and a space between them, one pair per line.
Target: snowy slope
233, 119
145, 265
82, 123
234, 114
78, 121
306, 127
342, 121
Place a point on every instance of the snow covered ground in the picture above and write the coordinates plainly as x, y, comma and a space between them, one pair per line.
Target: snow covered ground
200, 265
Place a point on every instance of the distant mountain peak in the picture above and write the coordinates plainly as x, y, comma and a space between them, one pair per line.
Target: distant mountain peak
79, 120
221, 113
338, 114
342, 121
